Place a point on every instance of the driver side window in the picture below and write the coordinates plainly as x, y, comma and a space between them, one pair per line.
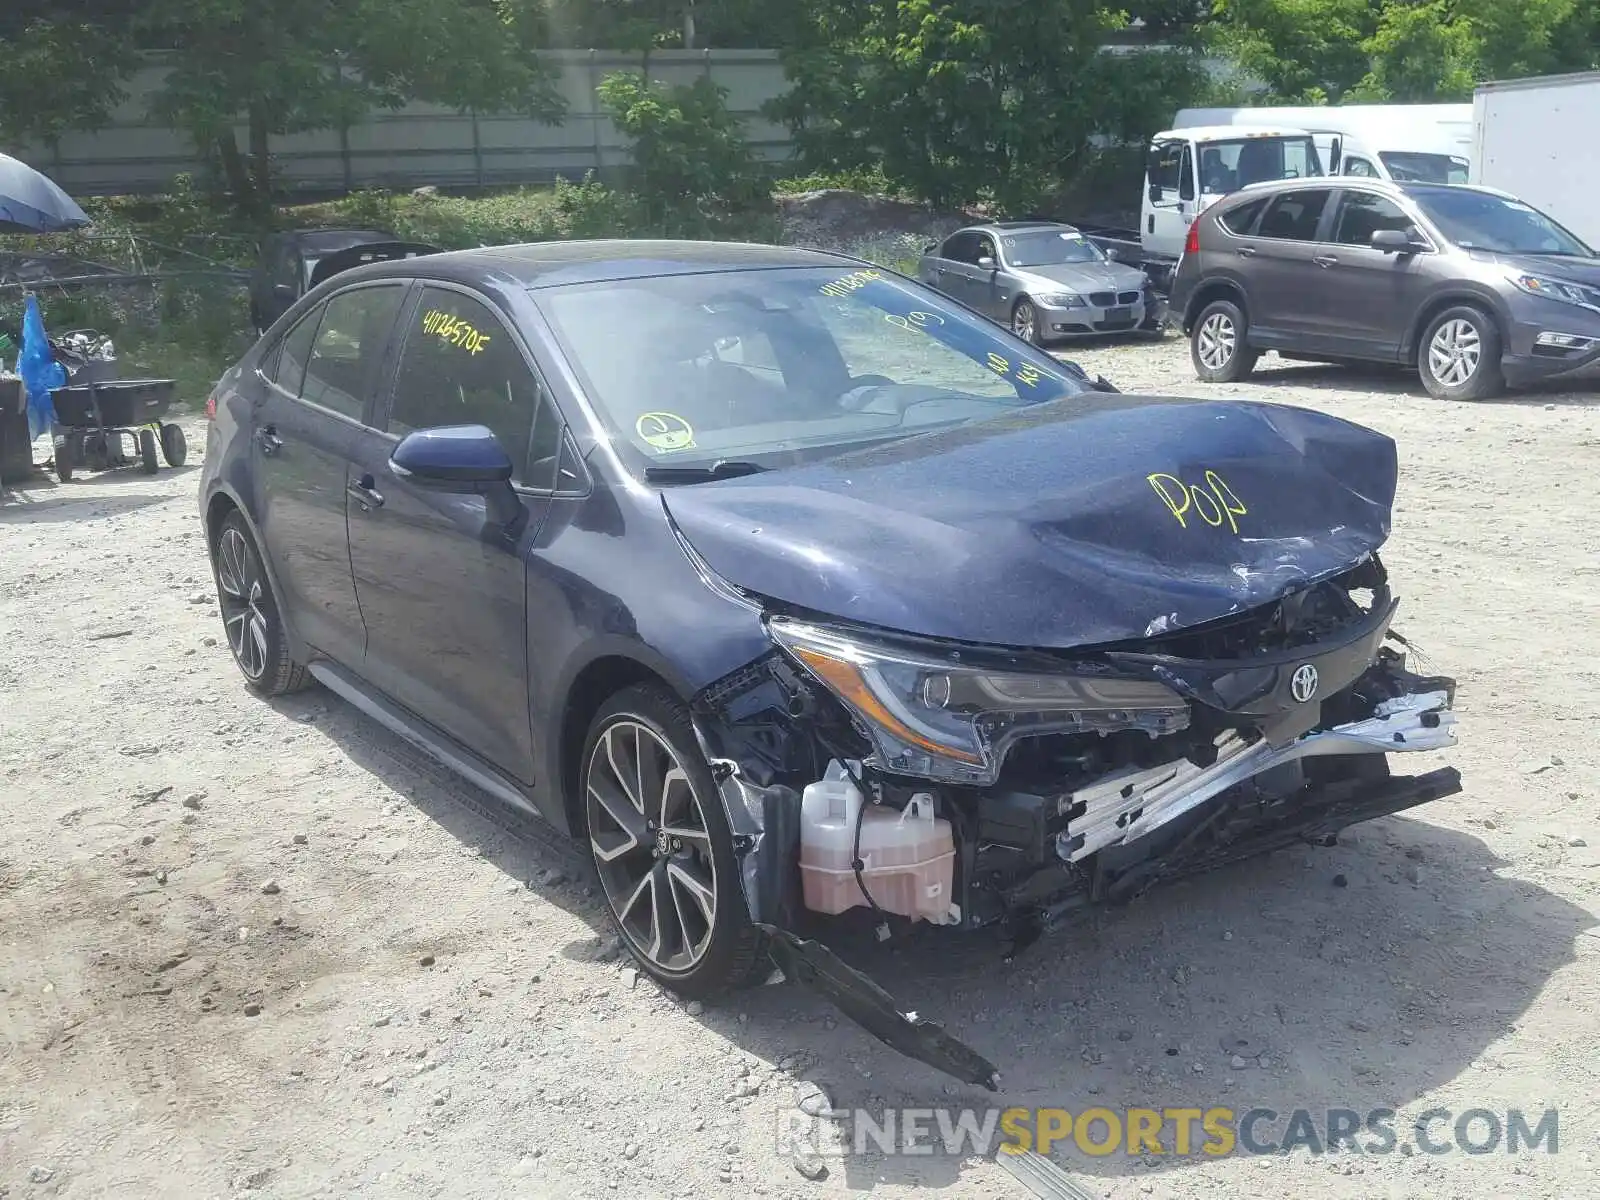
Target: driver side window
461, 367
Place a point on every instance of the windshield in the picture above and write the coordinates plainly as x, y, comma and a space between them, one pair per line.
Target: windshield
1480, 221
782, 365
1227, 166
1049, 248
1405, 166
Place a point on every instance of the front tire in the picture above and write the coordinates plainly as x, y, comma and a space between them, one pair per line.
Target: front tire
1459, 357
148, 462
1218, 348
251, 618
1025, 322
662, 846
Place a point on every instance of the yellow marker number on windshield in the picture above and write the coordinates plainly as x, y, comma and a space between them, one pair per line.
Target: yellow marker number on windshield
1212, 500
455, 331
846, 284
664, 431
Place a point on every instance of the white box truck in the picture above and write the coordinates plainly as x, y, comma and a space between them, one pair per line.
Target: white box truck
1534, 138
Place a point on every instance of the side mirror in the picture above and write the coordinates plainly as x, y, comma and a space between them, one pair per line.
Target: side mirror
461, 460
284, 292
1392, 241
1155, 193
986, 262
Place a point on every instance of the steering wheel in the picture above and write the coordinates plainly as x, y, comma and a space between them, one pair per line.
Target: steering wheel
860, 391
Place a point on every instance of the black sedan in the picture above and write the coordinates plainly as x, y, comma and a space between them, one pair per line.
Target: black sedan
792, 590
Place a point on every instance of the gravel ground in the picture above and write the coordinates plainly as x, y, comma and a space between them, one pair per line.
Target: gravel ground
264, 947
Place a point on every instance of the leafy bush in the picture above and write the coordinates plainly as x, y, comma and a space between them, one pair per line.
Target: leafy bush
693, 172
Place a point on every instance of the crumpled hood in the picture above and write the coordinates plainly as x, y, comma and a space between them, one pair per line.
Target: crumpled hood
1087, 277
1091, 519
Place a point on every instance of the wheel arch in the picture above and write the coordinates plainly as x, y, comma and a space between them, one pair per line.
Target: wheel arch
1209, 292
221, 503
1456, 297
593, 684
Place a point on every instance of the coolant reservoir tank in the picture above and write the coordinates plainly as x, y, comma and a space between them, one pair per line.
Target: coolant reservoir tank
908, 856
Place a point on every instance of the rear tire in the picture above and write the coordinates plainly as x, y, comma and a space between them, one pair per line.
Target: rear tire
1217, 347
1459, 355
251, 619
661, 844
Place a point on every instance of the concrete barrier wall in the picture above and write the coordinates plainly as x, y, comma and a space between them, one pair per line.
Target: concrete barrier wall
422, 143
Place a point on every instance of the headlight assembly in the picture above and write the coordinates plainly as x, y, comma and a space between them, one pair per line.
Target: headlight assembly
1557, 289
939, 719
1060, 300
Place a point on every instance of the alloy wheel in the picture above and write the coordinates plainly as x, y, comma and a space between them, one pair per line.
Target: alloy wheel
1217, 341
652, 846
1023, 321
1455, 352
241, 592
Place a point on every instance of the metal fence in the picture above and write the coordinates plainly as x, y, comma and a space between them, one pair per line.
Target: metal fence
422, 143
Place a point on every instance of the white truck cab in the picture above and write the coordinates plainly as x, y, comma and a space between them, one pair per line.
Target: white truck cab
1421, 143
1187, 169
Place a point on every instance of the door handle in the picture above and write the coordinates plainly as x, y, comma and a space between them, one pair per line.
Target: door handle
1247, 251
1324, 260
269, 441
365, 493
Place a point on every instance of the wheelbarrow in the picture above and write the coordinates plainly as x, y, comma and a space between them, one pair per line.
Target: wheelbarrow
116, 423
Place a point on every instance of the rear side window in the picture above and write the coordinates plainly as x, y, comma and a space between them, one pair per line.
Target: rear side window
1294, 216
1242, 220
460, 366
353, 333
1362, 214
290, 368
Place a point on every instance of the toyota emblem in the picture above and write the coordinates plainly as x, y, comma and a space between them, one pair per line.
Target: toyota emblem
1303, 683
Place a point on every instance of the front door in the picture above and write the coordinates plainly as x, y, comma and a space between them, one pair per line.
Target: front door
1169, 204
1283, 272
985, 288
1369, 297
443, 593
305, 429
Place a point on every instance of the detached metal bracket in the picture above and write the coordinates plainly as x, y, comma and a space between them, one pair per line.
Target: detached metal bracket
869, 1006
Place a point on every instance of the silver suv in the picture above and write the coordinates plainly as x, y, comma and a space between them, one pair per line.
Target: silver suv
1046, 280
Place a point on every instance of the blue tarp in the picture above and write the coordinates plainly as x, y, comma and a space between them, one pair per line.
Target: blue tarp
40, 371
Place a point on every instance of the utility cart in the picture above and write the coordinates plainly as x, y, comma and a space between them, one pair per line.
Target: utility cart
114, 424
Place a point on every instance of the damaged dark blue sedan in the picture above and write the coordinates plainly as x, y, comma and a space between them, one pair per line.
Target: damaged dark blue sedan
793, 589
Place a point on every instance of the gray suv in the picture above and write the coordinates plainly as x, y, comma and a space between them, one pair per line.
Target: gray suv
1470, 286
1047, 281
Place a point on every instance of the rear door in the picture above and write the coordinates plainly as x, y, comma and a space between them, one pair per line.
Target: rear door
1367, 298
444, 595
940, 269
1286, 311
306, 427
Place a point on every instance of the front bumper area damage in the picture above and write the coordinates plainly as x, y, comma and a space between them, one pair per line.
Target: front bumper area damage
1286, 720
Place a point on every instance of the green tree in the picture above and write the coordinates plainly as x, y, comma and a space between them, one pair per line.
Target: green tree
61, 68
297, 65
1315, 51
692, 166
966, 99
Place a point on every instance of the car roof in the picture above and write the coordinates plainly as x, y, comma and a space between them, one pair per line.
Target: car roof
335, 238
1013, 226
565, 263
1364, 182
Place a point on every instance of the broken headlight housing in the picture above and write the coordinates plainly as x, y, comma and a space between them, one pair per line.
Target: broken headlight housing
937, 717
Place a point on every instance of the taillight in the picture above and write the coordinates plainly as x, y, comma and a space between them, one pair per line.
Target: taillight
211, 407
1191, 244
